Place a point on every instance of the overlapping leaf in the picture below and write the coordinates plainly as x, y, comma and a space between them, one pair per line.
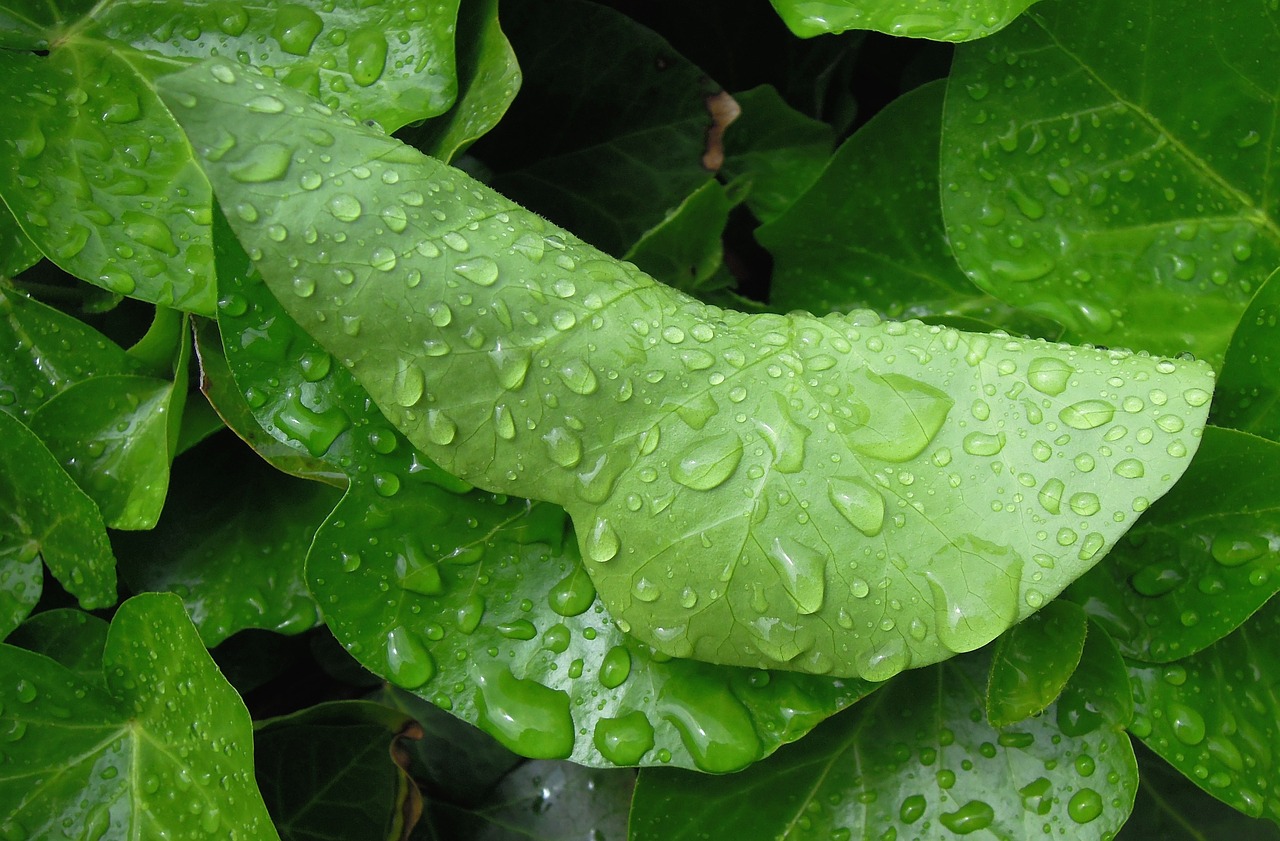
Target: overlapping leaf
1033, 661
96, 172
1248, 396
1089, 170
475, 602
916, 760
938, 20
757, 490
163, 748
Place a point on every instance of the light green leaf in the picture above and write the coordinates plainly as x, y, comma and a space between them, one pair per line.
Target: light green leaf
46, 516
915, 760
937, 20
1033, 660
838, 495
900, 264
231, 543
1212, 715
1203, 559
161, 749
335, 770
97, 174
1089, 171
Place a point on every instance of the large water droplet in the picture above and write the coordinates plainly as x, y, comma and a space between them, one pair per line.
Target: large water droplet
859, 503
624, 740
802, 570
1049, 375
713, 724
615, 667
1233, 548
531, 719
601, 542
709, 462
1085, 805
1087, 414
296, 28
267, 161
366, 56
409, 664
573, 594
969, 818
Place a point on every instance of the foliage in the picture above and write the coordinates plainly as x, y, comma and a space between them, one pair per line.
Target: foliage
419, 417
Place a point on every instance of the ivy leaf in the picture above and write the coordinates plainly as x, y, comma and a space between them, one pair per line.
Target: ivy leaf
1212, 715
96, 172
49, 518
69, 637
901, 266
1203, 559
937, 20
231, 543
336, 770
413, 579
1097, 198
915, 760
712, 461
114, 757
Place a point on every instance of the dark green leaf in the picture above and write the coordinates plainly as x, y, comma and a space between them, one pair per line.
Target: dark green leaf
517, 357
1201, 561
685, 250
1248, 390
938, 20
1093, 173
539, 801
232, 543
46, 516
488, 79
1033, 661
829, 256
1098, 692
1213, 715
17, 251
333, 771
609, 167
777, 150
199, 422
69, 637
917, 759
415, 580
162, 750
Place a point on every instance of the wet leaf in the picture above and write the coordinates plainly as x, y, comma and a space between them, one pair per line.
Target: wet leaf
937, 20
69, 637
1212, 715
17, 251
901, 264
335, 770
917, 759
49, 518
685, 251
131, 213
231, 543
162, 749
1081, 177
683, 428
1249, 388
1201, 561
1033, 660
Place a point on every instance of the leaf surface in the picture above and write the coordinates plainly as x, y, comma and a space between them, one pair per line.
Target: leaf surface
163, 749
915, 760
1091, 172
838, 495
70, 637
1248, 396
937, 20
17, 251
1033, 660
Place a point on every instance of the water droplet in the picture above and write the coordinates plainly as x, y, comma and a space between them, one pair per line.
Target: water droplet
913, 808
615, 667
1232, 548
366, 56
708, 463
441, 429
1187, 723
969, 818
859, 503
267, 161
316, 431
714, 726
802, 570
983, 444
1085, 504
408, 384
1130, 468
345, 207
1085, 805
296, 28
409, 664
531, 719
1087, 414
601, 543
1049, 375
1051, 495
574, 593
482, 271
578, 377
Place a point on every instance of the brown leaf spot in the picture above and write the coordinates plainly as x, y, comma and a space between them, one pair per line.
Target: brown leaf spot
724, 109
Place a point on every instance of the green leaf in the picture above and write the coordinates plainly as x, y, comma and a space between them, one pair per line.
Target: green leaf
488, 79
47, 517
1082, 178
1201, 561
607, 166
414, 580
163, 750
69, 637
334, 770
915, 760
539, 801
232, 543
900, 265
48, 351
17, 251
937, 20
1249, 387
1033, 661
685, 250
97, 173
1212, 715
519, 358
1098, 692
1170, 807
776, 149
